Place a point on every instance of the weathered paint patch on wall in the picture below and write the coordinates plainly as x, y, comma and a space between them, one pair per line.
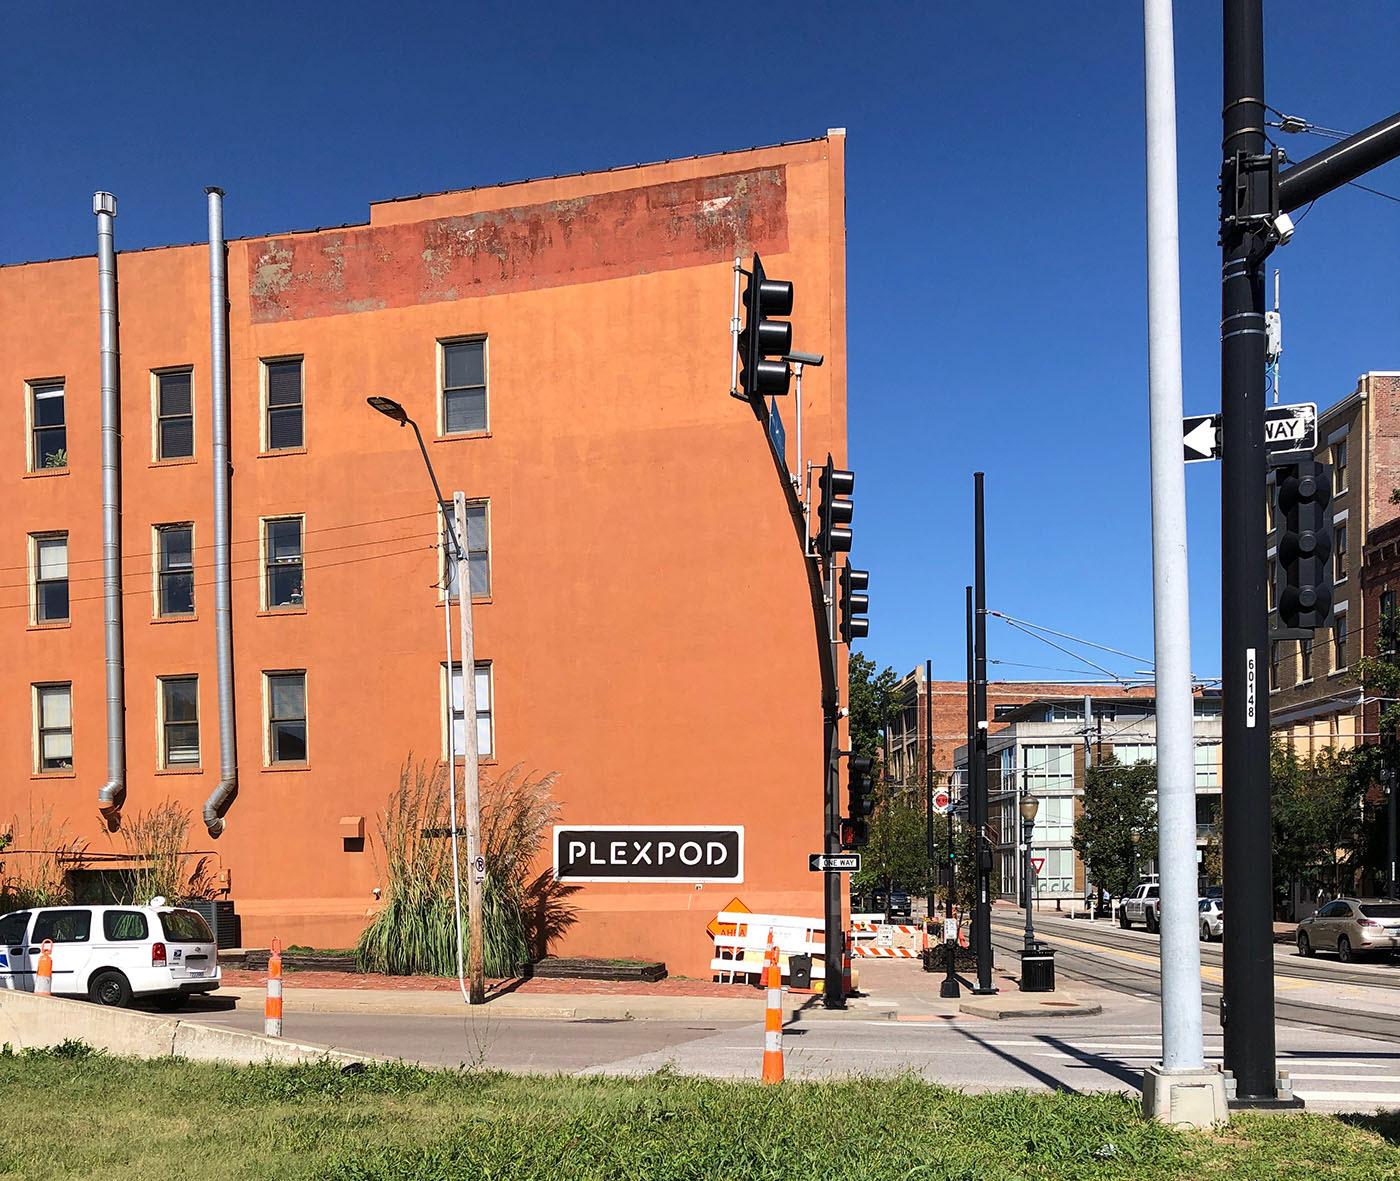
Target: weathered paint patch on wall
586, 239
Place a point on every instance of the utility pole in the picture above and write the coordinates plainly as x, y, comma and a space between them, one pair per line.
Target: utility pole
476, 968
1182, 1073
977, 756
1256, 198
929, 853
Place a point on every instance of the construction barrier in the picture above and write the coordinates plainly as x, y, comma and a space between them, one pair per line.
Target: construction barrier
773, 1020
895, 953
272, 1013
43, 976
847, 985
741, 945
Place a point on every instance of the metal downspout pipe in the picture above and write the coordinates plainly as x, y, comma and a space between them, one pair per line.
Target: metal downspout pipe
222, 796
112, 793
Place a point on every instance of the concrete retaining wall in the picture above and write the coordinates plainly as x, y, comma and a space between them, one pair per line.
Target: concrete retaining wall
32, 1022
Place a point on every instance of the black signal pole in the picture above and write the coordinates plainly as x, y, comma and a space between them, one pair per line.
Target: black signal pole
929, 853
977, 758
1254, 195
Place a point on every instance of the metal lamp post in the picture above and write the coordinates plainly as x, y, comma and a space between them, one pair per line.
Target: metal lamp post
476, 992
1029, 806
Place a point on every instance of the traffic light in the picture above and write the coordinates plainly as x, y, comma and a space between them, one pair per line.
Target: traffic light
855, 834
836, 510
854, 605
763, 337
860, 785
1303, 566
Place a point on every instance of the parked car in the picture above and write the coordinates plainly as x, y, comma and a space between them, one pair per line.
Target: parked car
1142, 905
112, 954
1351, 927
1212, 916
874, 903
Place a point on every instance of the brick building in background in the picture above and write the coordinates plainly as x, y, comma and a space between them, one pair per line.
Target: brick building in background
563, 345
1314, 700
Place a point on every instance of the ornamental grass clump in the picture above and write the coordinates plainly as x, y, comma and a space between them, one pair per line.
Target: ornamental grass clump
415, 932
159, 862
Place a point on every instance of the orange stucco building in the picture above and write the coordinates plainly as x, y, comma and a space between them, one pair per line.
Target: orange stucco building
642, 613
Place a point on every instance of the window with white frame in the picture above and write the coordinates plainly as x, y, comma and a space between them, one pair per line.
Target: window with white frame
1339, 553
283, 572
1305, 653
174, 396
286, 717
48, 424
174, 570
284, 427
1339, 641
485, 744
1047, 769
1056, 875
1054, 824
1207, 765
53, 727
50, 564
1273, 664
478, 549
1339, 467
1129, 753
179, 721
464, 386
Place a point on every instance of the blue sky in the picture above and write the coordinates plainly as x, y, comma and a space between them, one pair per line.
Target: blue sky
995, 215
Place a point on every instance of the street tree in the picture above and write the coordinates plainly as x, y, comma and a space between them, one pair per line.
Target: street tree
1318, 818
1116, 835
871, 700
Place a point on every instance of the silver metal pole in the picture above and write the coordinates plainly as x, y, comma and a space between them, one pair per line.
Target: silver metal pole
1176, 794
797, 464
470, 789
448, 556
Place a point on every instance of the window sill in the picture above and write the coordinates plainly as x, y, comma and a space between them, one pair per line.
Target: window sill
460, 435
54, 775
44, 473
477, 601
179, 770
174, 461
1304, 681
482, 761
283, 768
272, 612
191, 618
1336, 672
51, 625
282, 451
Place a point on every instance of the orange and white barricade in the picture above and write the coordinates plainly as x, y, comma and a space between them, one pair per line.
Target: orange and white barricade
272, 1013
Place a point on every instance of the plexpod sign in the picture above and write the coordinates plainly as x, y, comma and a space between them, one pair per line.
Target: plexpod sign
657, 853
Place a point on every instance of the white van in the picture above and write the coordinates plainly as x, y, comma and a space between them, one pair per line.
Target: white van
112, 954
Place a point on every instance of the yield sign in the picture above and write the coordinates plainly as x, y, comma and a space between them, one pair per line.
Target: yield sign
1039, 863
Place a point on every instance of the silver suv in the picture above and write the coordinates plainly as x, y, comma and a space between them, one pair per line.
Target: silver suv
1351, 927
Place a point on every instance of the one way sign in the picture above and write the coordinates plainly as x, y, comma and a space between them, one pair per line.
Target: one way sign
1286, 428
833, 862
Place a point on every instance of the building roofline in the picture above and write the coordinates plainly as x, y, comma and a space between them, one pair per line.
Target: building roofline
351, 225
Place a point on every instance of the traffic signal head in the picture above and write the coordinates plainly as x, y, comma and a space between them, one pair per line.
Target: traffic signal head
836, 510
854, 605
764, 337
1303, 562
861, 786
855, 834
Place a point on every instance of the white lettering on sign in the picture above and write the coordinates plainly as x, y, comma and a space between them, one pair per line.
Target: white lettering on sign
1250, 675
690, 860
714, 853
643, 852
576, 849
619, 852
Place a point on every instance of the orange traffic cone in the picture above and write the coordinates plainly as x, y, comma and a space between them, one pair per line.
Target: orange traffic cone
773, 1021
43, 975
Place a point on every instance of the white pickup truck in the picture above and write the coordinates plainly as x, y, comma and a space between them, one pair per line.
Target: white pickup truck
1143, 905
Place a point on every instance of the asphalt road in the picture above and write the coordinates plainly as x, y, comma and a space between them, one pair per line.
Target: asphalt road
1318, 992
1332, 1072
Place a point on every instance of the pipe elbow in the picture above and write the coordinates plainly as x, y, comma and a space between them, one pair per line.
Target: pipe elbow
217, 803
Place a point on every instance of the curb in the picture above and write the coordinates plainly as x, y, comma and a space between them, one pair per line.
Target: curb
998, 1010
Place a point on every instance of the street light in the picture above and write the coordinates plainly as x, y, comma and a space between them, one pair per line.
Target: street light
475, 994
1029, 806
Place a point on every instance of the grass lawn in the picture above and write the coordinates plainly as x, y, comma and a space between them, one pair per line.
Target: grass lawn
73, 1113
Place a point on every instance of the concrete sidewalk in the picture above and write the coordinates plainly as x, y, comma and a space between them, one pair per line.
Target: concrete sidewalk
890, 990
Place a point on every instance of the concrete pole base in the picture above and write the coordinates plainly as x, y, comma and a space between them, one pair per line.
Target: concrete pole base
1185, 1098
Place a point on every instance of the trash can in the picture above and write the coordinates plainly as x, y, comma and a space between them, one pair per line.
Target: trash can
1038, 969
800, 971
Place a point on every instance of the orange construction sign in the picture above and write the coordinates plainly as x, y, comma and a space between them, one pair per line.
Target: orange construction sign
716, 927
